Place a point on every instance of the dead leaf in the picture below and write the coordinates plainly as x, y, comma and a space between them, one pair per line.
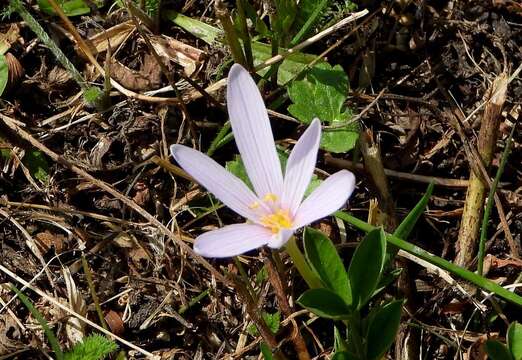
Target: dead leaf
172, 50
147, 78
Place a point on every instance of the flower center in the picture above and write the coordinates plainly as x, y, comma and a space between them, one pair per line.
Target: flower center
278, 220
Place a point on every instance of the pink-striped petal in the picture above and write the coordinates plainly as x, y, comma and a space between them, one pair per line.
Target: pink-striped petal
300, 167
231, 240
329, 197
224, 185
253, 133
278, 240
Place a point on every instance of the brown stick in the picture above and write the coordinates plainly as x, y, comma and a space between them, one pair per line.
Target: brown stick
476, 194
347, 164
279, 289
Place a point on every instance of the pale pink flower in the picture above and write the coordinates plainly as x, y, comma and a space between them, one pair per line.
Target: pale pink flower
276, 209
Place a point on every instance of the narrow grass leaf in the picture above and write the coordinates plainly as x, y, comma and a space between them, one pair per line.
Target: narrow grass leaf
43, 323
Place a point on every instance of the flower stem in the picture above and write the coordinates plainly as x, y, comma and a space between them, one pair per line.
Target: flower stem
301, 265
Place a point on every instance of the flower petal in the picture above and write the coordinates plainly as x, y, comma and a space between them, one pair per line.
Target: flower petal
300, 167
253, 133
278, 240
231, 240
224, 185
326, 199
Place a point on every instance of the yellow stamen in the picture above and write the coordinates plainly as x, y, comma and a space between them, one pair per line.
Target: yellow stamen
254, 205
277, 221
270, 197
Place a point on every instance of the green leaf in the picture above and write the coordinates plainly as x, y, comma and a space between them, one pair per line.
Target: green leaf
272, 321
37, 164
382, 328
70, 8
43, 323
283, 18
4, 73
265, 351
93, 347
406, 226
325, 303
366, 266
308, 14
514, 340
340, 343
322, 94
344, 355
497, 350
322, 255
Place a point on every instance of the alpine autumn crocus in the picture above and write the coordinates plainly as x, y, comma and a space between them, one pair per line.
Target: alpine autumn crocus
276, 209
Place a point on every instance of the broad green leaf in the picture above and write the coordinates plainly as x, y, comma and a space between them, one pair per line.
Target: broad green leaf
382, 328
325, 303
497, 350
93, 347
322, 94
514, 340
406, 226
4, 73
291, 67
37, 164
366, 267
70, 8
326, 263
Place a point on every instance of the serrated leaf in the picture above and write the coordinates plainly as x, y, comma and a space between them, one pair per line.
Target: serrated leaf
382, 328
321, 94
4, 73
70, 8
93, 347
497, 350
514, 340
325, 303
366, 267
326, 263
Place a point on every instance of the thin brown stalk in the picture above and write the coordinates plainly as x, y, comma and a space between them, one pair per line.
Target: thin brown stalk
476, 194
280, 291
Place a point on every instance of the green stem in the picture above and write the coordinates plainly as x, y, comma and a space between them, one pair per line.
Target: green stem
489, 204
222, 133
355, 339
245, 277
245, 36
230, 32
92, 289
435, 260
301, 265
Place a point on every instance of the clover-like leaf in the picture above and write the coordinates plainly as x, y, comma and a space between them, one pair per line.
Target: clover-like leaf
322, 94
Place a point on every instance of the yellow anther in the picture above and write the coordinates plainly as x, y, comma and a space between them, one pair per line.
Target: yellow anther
278, 220
270, 197
254, 205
